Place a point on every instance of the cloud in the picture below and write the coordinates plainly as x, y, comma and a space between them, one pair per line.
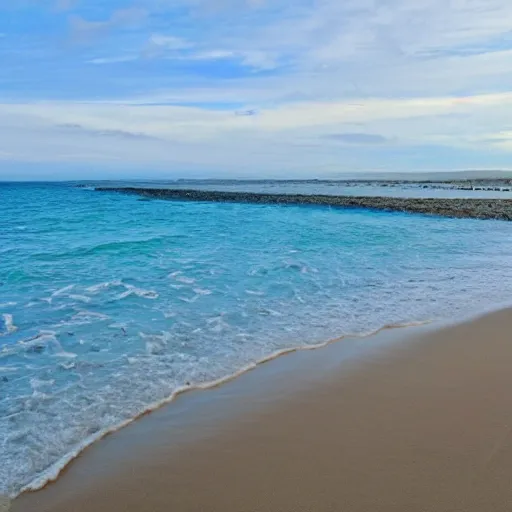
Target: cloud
161, 45
83, 30
113, 60
357, 138
327, 82
251, 59
169, 42
122, 134
259, 60
278, 139
358, 47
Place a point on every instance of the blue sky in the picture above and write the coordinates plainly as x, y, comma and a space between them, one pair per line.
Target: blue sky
253, 88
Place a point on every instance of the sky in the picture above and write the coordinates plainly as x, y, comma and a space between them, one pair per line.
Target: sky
253, 88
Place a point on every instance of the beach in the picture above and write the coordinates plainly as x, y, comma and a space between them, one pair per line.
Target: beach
255, 256
423, 424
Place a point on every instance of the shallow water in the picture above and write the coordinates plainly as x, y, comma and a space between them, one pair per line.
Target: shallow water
109, 304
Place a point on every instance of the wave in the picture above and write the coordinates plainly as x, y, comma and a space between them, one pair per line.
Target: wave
139, 292
129, 290
125, 246
80, 298
85, 316
8, 324
104, 286
63, 290
43, 342
52, 473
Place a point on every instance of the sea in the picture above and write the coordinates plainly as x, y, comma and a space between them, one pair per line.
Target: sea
112, 304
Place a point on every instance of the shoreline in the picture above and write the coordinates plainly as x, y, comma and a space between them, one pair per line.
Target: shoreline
471, 208
71, 488
53, 473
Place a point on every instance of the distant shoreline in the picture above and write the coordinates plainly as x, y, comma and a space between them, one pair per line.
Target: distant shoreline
498, 209
462, 182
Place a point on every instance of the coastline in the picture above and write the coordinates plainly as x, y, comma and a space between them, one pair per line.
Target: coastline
53, 473
493, 209
301, 386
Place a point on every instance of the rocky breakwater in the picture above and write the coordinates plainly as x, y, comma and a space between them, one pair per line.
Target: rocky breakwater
471, 208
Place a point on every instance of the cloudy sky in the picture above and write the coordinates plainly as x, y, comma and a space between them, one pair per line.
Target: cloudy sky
253, 88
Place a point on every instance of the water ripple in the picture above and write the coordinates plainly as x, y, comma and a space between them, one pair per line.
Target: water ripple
115, 307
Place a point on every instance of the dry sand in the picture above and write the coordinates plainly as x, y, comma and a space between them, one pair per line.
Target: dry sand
425, 426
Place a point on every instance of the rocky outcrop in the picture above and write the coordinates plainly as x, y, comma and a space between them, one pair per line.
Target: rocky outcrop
471, 208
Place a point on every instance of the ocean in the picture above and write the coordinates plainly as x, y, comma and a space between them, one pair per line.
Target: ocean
110, 305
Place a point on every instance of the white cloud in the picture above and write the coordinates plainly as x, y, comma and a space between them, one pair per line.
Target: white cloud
251, 59
333, 31
293, 136
344, 42
355, 48
338, 73
113, 60
169, 42
86, 30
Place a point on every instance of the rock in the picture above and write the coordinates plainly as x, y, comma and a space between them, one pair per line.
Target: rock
457, 207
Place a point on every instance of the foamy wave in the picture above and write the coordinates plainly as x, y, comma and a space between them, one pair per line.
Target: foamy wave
80, 298
103, 286
62, 291
202, 291
189, 300
185, 280
178, 276
255, 292
156, 344
8, 324
37, 384
34, 344
139, 292
88, 317
7, 369
52, 472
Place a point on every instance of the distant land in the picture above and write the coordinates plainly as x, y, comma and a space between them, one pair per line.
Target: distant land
357, 177
429, 176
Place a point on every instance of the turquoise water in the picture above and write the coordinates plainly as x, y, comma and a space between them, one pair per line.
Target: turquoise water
109, 304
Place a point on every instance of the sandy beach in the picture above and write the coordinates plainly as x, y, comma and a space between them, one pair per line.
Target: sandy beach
423, 425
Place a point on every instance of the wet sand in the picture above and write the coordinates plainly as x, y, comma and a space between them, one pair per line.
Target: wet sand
423, 425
